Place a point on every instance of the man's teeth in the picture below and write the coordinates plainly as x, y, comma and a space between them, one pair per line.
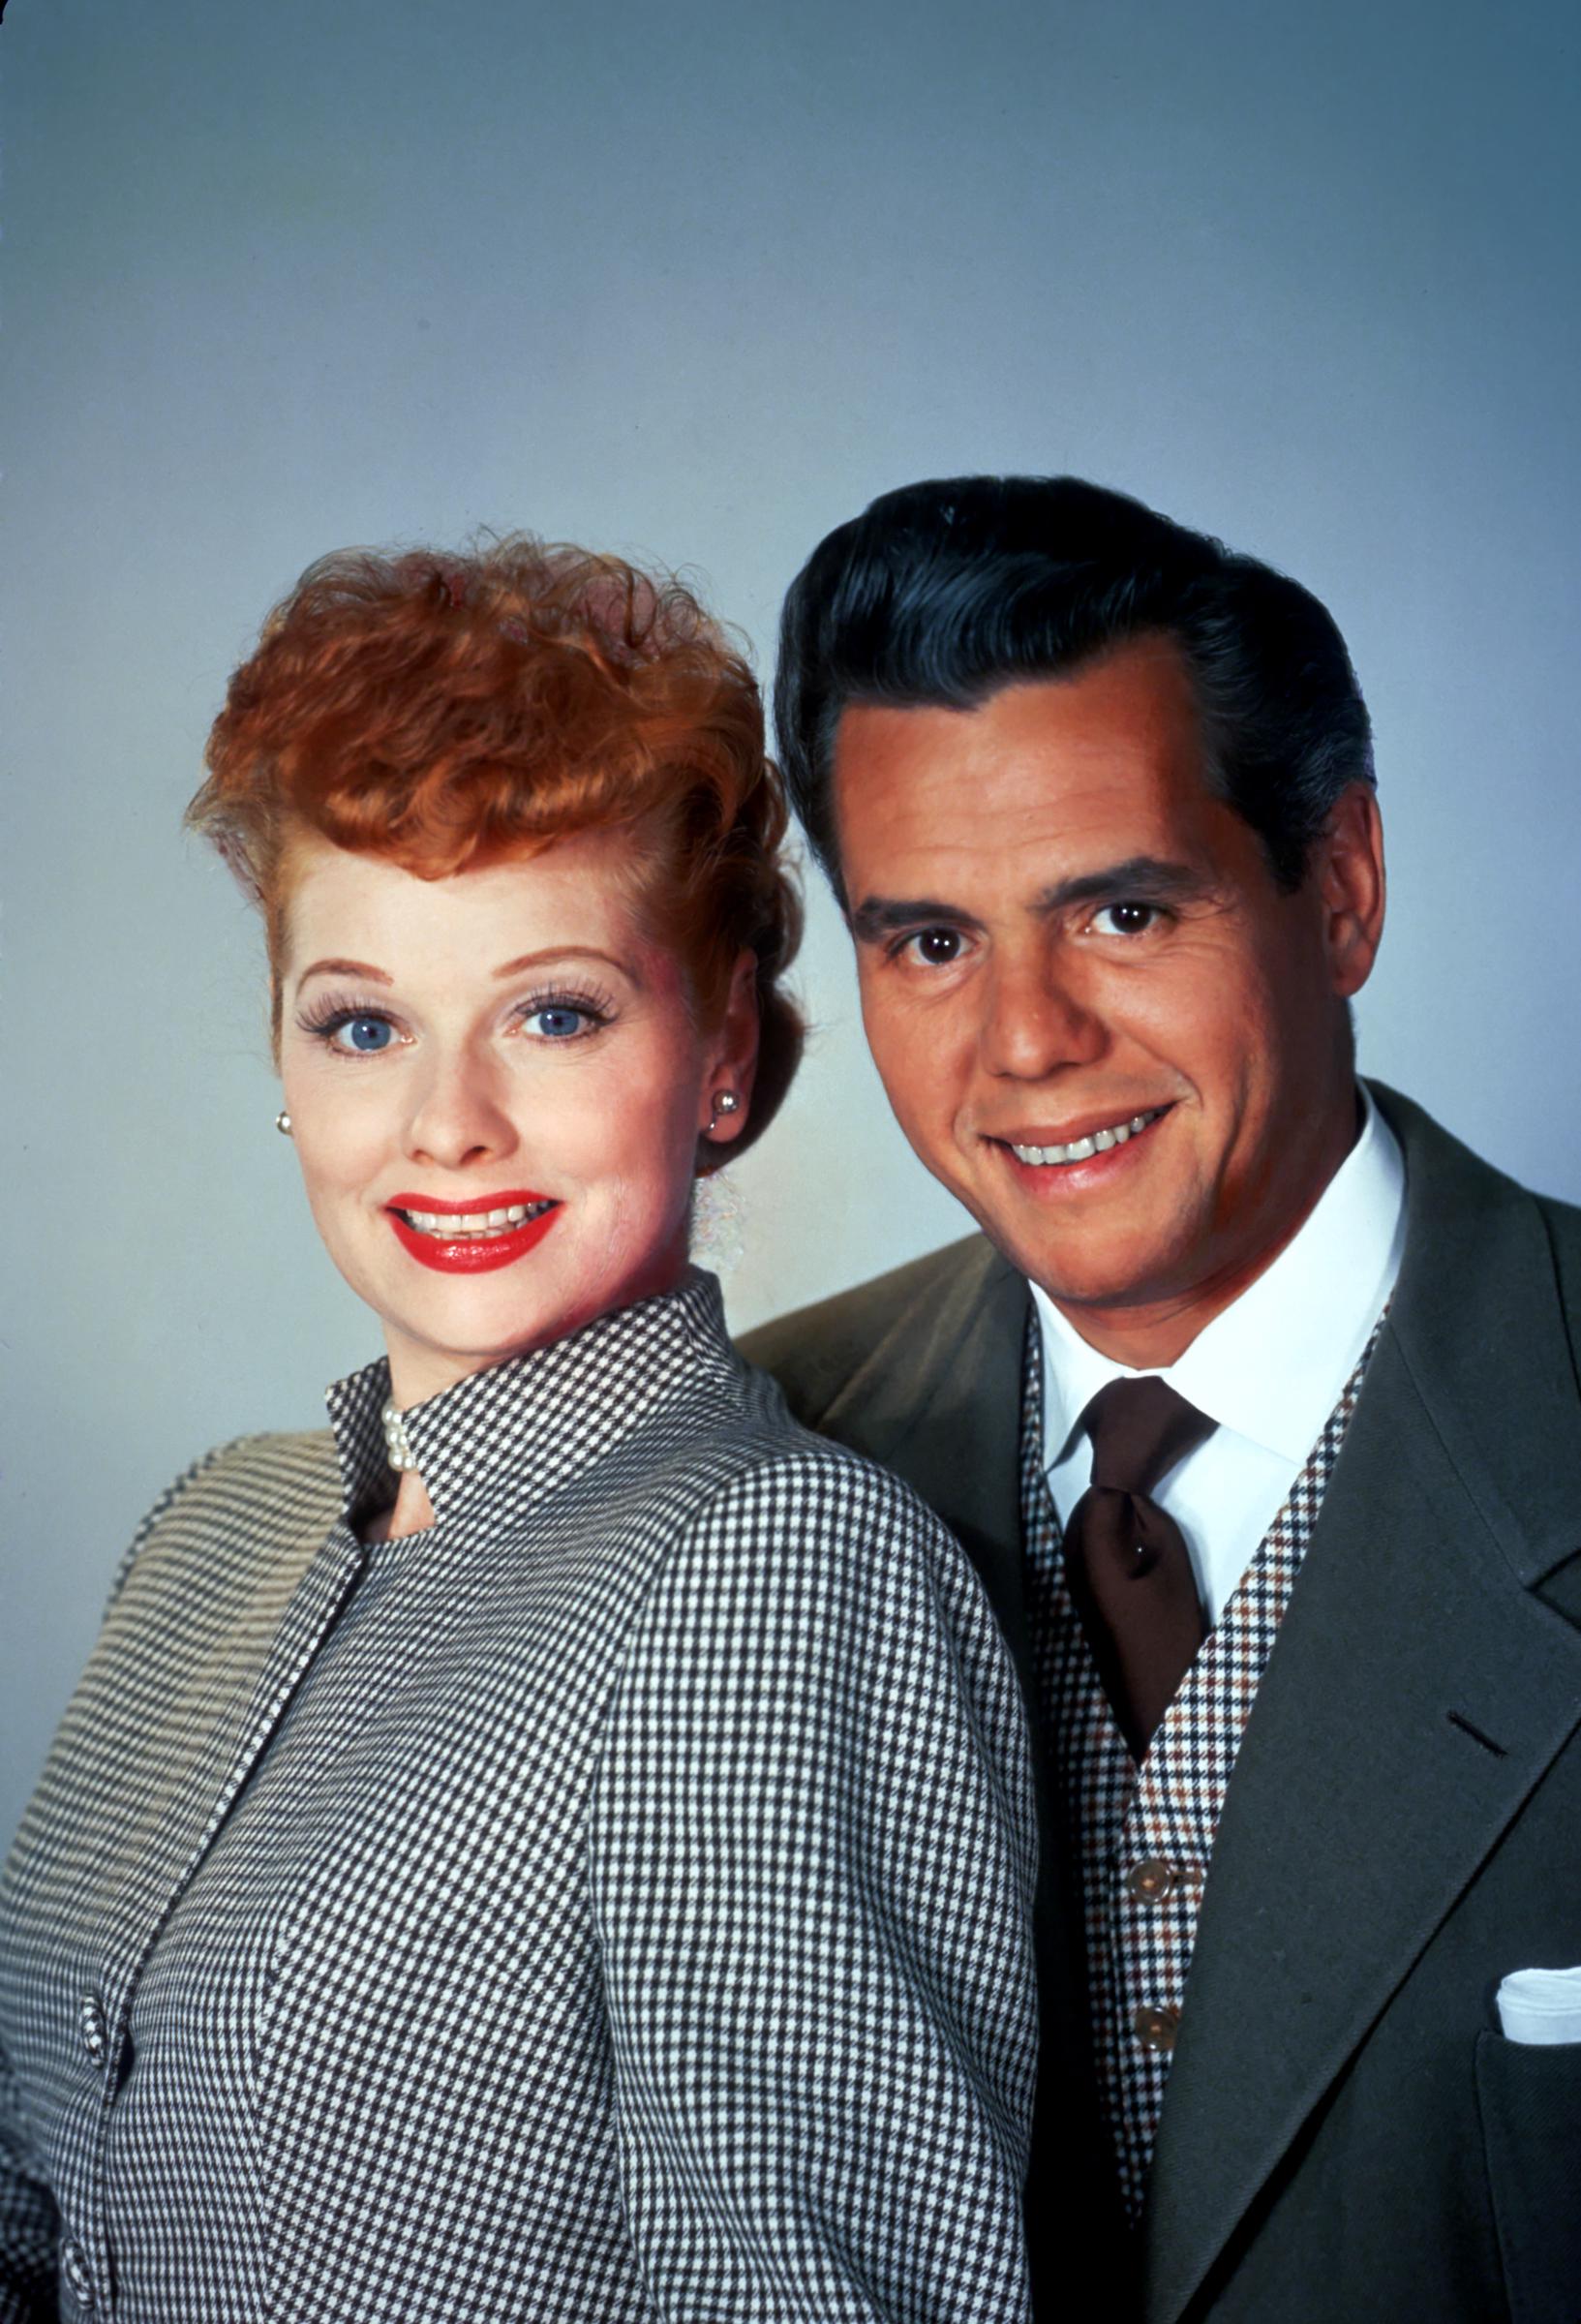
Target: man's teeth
459, 1227
1083, 1150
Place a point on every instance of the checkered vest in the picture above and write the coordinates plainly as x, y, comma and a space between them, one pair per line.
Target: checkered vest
1142, 1836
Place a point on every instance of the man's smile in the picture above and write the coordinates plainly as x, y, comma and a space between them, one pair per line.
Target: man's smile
1084, 1144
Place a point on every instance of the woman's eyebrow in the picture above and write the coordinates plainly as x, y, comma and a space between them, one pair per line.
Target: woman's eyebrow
568, 952
377, 977
525, 959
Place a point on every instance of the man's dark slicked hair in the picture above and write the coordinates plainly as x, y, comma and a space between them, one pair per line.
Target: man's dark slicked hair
942, 593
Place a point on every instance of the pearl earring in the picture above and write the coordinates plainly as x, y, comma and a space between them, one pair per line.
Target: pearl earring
725, 1102
282, 1123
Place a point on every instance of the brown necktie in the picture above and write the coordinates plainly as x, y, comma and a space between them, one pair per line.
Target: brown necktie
1129, 1571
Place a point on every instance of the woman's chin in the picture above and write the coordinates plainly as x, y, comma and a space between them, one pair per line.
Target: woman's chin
423, 1364
440, 1348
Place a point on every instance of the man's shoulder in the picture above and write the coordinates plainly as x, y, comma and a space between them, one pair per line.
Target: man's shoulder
1455, 1196
1487, 1316
1563, 1221
814, 1351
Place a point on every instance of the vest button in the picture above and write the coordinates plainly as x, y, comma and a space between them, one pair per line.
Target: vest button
1156, 2026
1151, 1880
92, 2025
73, 2266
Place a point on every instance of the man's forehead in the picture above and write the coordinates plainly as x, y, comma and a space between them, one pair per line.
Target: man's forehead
931, 817
1128, 724
1139, 685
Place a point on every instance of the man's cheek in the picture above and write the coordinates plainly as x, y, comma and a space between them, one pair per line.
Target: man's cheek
914, 1076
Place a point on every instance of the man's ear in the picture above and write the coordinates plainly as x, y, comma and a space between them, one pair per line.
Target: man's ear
1352, 886
732, 1065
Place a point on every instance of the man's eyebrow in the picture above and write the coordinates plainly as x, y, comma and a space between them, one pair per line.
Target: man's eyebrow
1140, 879
877, 916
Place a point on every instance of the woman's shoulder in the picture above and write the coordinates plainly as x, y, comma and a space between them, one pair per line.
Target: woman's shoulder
237, 1495
809, 1496
807, 1589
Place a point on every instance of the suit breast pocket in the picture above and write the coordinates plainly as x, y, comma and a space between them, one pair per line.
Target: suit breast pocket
1530, 2098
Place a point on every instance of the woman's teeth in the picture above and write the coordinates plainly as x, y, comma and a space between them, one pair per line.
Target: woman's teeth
469, 1224
1083, 1150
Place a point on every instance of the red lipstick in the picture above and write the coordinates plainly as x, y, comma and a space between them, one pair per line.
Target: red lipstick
469, 1254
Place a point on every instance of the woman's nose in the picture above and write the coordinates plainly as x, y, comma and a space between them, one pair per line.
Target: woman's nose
459, 1115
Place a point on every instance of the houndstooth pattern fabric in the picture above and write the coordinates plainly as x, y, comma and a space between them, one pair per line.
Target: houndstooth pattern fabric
1129, 1826
611, 1904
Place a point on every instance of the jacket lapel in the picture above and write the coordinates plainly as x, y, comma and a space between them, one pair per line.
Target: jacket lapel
1418, 1692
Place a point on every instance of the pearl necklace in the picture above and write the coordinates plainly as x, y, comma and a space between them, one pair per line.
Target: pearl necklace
398, 1450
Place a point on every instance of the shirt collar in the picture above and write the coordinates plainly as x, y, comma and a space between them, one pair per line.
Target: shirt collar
524, 1427
1316, 1304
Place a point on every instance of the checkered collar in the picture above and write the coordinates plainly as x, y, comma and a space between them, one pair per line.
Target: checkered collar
521, 1429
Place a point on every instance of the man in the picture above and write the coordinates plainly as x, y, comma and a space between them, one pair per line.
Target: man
1255, 1402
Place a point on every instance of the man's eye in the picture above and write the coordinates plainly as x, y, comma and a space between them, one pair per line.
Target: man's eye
934, 947
1125, 919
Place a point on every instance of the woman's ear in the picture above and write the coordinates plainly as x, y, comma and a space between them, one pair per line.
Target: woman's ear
732, 1061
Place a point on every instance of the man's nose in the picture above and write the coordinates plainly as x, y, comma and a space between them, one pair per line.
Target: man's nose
1034, 1022
460, 1115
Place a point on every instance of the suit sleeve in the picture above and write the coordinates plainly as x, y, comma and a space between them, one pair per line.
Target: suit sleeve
29, 2223
162, 1507
30, 2226
813, 1853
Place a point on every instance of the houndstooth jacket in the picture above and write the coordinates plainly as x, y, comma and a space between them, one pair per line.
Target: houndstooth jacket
612, 1903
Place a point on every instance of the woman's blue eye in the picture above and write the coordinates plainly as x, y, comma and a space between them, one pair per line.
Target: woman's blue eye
558, 1021
366, 1035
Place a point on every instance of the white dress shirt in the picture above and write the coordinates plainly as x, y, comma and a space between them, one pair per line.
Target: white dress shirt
1268, 1370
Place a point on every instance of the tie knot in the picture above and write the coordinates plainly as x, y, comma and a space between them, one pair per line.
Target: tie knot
1139, 1428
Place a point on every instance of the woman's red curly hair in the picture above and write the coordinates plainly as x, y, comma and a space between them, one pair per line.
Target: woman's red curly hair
447, 710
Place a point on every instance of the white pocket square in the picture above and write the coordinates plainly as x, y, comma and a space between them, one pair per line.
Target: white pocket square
1541, 2004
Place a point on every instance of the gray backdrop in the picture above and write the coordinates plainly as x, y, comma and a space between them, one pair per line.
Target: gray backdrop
695, 282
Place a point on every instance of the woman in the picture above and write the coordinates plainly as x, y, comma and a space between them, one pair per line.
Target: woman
559, 1846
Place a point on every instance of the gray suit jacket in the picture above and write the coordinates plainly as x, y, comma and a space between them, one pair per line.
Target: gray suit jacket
1345, 2134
